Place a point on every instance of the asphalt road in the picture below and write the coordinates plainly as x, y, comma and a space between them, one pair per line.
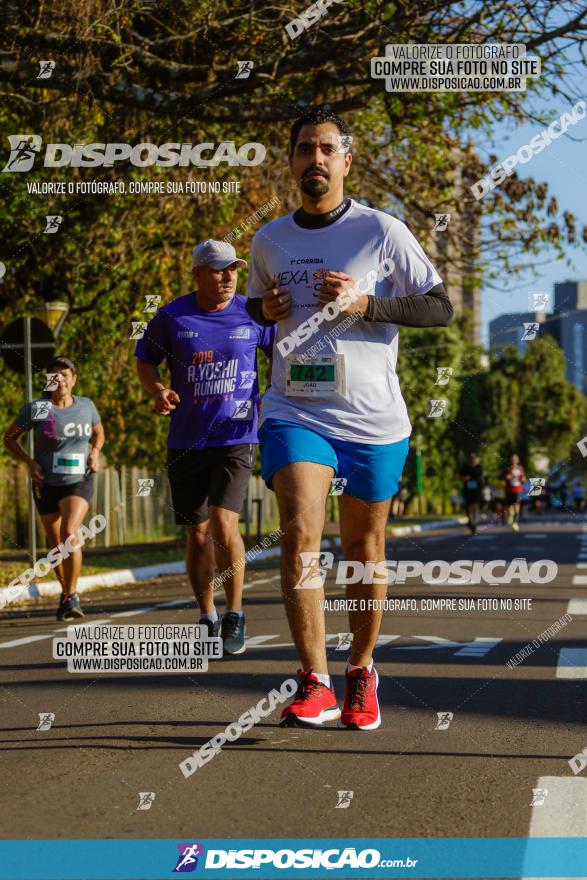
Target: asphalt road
513, 730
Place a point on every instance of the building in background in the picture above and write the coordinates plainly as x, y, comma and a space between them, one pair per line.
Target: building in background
567, 324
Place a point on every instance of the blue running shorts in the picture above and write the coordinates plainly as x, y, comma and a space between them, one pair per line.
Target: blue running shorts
372, 471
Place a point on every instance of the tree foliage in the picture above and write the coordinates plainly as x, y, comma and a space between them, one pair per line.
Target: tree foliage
161, 71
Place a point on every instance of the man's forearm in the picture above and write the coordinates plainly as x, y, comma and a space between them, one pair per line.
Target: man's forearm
149, 378
255, 309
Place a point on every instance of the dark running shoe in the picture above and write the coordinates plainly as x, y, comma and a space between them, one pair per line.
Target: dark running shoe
233, 631
69, 607
213, 628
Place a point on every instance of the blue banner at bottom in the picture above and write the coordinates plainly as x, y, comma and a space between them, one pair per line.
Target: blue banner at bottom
288, 858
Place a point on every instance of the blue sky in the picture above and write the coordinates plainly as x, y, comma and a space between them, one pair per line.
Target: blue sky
563, 166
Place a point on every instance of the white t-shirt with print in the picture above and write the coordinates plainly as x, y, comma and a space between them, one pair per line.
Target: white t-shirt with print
376, 250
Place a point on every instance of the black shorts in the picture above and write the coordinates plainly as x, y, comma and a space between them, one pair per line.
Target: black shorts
512, 498
217, 475
47, 497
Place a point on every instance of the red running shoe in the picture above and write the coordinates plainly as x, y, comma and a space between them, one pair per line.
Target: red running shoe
313, 704
361, 708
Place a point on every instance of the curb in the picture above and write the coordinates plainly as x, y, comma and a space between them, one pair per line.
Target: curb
126, 576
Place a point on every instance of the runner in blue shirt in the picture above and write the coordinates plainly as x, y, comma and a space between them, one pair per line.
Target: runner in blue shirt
210, 343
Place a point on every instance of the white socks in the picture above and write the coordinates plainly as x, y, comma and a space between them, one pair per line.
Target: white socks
323, 678
212, 617
350, 667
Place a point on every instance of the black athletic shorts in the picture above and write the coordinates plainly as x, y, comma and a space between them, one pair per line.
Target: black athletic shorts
216, 475
47, 497
512, 498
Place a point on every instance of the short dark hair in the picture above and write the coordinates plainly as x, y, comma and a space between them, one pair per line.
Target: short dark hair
316, 117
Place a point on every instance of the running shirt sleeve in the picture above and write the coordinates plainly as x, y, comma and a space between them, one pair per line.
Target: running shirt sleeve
408, 269
24, 418
419, 298
266, 340
259, 276
94, 414
153, 348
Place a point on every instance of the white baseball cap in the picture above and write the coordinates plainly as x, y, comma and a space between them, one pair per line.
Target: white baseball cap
216, 254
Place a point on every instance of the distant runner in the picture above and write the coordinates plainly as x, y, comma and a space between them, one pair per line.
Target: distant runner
514, 478
472, 477
210, 343
68, 438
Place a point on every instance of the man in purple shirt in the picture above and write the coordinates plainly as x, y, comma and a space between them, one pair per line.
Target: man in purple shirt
210, 343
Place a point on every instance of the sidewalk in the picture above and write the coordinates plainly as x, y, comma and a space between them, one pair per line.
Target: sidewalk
125, 576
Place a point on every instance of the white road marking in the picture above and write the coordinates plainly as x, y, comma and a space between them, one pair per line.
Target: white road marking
580, 579
478, 647
134, 611
577, 606
78, 625
572, 663
582, 565
564, 811
16, 643
256, 641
